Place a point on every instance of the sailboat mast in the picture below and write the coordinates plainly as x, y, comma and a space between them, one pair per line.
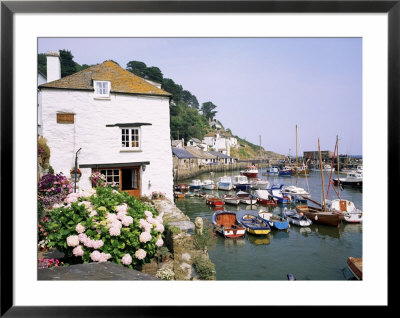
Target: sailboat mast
322, 178
297, 172
338, 162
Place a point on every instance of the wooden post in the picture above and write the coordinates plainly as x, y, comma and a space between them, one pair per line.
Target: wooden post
338, 181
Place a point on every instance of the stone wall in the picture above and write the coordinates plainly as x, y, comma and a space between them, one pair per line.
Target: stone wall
181, 173
179, 235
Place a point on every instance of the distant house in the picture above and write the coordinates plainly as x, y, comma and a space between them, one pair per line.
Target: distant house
218, 142
197, 143
205, 158
112, 121
184, 159
222, 158
178, 143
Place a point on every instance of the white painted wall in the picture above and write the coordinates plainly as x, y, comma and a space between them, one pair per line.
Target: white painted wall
40, 80
101, 144
53, 67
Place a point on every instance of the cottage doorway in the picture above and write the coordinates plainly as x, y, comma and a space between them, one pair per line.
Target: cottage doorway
130, 181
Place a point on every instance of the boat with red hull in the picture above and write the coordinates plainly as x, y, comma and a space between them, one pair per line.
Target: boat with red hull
225, 223
355, 266
250, 172
214, 201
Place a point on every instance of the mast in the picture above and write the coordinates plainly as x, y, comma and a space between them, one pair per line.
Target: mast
322, 178
338, 181
297, 172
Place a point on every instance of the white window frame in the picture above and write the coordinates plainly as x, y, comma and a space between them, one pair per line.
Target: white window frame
104, 92
123, 140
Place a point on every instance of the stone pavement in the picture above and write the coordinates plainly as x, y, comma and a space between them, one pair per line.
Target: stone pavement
92, 271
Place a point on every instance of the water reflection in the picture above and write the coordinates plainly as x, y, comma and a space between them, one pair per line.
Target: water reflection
259, 239
278, 235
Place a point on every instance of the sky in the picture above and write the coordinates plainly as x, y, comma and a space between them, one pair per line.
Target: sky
263, 87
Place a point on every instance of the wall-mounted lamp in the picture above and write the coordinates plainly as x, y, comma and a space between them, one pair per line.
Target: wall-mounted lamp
143, 168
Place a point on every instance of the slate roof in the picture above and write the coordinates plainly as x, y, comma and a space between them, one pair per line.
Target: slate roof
200, 153
122, 81
182, 153
220, 155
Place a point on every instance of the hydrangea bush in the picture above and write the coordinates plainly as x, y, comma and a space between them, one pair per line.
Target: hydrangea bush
105, 224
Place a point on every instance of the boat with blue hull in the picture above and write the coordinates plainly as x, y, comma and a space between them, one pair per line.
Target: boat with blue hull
276, 193
272, 170
241, 183
255, 225
285, 172
275, 221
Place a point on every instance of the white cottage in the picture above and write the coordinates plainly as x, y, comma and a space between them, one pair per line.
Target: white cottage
112, 121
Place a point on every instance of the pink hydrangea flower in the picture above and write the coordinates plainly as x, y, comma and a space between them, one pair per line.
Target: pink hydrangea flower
140, 254
97, 244
160, 242
82, 237
78, 251
71, 198
127, 259
80, 228
114, 231
122, 208
126, 220
148, 214
95, 256
73, 240
159, 227
104, 257
150, 220
145, 237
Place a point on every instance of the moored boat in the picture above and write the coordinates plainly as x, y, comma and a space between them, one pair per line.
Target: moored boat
348, 210
276, 193
231, 199
353, 179
241, 183
319, 215
225, 223
285, 172
272, 170
246, 198
355, 266
263, 197
250, 172
274, 221
182, 187
195, 184
225, 183
295, 218
255, 225
259, 184
178, 194
214, 201
296, 194
208, 184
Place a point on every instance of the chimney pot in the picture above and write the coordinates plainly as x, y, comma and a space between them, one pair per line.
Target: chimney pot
53, 66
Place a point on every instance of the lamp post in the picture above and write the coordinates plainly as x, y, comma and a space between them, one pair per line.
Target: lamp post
76, 167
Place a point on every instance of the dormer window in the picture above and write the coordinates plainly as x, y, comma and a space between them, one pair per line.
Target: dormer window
102, 89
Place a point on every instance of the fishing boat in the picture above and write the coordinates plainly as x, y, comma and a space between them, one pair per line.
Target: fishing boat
355, 266
302, 171
274, 221
214, 201
326, 167
255, 225
353, 179
225, 223
285, 171
263, 197
273, 170
347, 209
178, 194
296, 218
250, 172
225, 183
276, 193
182, 187
241, 183
208, 184
259, 184
231, 199
246, 198
195, 184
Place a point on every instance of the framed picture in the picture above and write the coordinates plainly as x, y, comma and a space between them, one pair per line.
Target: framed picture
27, 28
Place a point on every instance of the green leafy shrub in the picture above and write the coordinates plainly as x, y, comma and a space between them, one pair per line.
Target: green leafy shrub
206, 240
204, 267
105, 224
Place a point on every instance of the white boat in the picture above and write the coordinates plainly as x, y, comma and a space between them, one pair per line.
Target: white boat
208, 184
296, 218
296, 194
259, 184
225, 183
350, 213
231, 199
353, 179
241, 183
272, 170
195, 184
246, 198
251, 172
326, 167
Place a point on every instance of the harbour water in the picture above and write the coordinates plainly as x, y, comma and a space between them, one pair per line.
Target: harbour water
317, 252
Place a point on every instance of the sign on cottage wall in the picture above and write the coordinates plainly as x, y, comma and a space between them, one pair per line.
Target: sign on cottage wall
65, 118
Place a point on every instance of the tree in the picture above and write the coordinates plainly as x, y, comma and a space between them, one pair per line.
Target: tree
137, 68
190, 99
154, 74
42, 63
68, 66
171, 87
208, 110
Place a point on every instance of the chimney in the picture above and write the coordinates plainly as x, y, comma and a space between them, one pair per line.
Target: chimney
53, 66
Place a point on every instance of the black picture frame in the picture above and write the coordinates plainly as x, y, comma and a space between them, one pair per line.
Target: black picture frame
8, 8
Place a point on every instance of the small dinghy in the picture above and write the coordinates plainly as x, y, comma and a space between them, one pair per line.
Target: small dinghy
255, 225
295, 218
274, 221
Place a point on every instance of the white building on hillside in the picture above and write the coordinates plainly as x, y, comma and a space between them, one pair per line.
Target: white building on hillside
220, 142
113, 121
